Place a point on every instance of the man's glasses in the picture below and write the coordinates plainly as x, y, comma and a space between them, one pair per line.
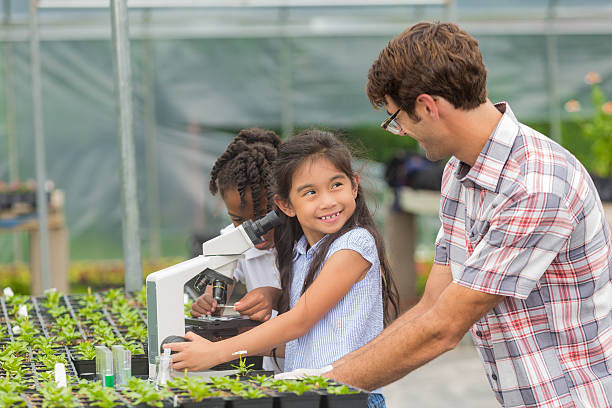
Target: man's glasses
391, 125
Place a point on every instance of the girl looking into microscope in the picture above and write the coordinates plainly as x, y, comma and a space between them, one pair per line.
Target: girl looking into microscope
242, 176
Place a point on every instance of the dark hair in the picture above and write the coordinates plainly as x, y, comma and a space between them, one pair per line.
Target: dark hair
432, 58
247, 163
309, 145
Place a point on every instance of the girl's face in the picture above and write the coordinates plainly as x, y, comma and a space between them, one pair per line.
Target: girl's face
322, 197
239, 214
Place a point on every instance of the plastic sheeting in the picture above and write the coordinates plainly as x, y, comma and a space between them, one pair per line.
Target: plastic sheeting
204, 90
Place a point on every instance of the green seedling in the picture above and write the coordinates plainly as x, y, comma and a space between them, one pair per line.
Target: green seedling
87, 350
94, 318
9, 386
243, 368
317, 381
18, 348
188, 307
250, 393
57, 397
341, 390
46, 376
49, 360
13, 366
45, 345
293, 386
8, 399
262, 380
227, 383
98, 395
137, 331
18, 300
52, 299
89, 300
57, 311
135, 349
197, 388
112, 296
141, 296
128, 317
68, 334
65, 321
143, 392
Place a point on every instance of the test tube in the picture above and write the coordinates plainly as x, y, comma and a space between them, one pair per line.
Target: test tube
104, 366
122, 365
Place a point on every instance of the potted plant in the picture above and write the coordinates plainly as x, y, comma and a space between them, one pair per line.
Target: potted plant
83, 356
598, 132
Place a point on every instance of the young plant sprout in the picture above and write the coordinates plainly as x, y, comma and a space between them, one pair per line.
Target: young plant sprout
87, 350
143, 392
242, 367
58, 397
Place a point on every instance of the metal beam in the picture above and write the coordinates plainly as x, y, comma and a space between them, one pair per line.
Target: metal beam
125, 131
93, 4
181, 26
13, 149
39, 146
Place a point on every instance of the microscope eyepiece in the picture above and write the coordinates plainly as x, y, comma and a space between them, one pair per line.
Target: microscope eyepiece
256, 229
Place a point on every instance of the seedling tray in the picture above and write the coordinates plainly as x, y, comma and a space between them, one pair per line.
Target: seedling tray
344, 400
309, 399
237, 402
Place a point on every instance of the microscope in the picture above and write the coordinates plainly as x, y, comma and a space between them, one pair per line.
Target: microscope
215, 267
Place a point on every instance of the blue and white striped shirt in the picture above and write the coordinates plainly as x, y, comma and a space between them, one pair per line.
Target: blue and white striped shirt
355, 320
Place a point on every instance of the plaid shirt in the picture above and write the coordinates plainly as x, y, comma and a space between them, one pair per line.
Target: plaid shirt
526, 222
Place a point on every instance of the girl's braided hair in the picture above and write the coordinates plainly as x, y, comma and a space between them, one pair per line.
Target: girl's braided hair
247, 163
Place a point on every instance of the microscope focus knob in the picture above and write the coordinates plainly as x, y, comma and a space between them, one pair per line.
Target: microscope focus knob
171, 339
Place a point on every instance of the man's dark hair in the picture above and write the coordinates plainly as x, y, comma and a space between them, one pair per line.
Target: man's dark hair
437, 59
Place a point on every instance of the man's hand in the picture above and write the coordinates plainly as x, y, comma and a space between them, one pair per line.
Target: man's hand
258, 303
204, 305
197, 354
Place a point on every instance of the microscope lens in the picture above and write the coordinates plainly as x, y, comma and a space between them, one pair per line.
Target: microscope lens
220, 292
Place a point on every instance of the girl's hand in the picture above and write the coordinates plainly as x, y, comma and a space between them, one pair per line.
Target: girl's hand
197, 354
258, 303
204, 305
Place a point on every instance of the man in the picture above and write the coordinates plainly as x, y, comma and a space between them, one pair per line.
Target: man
524, 253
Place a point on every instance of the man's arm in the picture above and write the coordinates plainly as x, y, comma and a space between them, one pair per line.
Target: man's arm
418, 336
438, 279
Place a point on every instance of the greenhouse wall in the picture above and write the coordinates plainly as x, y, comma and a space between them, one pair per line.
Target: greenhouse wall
215, 72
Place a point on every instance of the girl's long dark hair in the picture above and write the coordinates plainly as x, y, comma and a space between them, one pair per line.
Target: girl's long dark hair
312, 145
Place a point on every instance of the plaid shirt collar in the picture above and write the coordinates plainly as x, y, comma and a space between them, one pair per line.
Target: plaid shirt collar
487, 169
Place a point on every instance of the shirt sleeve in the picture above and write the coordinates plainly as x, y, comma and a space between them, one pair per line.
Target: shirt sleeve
522, 240
441, 250
360, 241
239, 271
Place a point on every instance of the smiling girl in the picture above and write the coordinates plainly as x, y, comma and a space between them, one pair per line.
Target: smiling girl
336, 283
